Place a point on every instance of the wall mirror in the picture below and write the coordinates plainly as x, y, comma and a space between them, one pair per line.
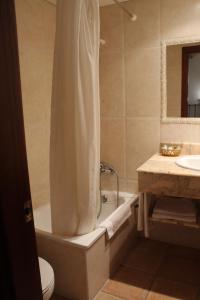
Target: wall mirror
180, 81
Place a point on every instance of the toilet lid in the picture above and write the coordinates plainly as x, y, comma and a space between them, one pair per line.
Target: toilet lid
46, 273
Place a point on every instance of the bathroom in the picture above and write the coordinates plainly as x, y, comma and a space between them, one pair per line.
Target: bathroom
134, 122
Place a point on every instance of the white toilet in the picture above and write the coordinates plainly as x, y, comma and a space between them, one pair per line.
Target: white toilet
47, 278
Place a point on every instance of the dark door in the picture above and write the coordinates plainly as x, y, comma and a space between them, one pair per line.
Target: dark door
19, 269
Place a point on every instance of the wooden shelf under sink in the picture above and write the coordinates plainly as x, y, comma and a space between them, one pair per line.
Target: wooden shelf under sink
175, 222
155, 198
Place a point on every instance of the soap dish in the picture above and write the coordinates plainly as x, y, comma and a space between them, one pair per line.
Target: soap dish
170, 149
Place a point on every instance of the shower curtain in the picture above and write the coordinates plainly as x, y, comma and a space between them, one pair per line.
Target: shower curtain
75, 118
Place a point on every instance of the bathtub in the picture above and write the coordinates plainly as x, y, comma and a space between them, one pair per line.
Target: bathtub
83, 263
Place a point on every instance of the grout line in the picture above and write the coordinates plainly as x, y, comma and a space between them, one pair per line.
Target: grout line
50, 2
101, 289
155, 276
129, 118
113, 295
124, 98
137, 269
130, 50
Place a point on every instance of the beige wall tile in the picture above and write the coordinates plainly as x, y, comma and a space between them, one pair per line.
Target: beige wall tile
145, 31
36, 30
113, 143
143, 82
109, 182
37, 141
143, 138
186, 149
112, 28
125, 185
180, 18
195, 149
41, 197
132, 186
112, 85
180, 133
141, 85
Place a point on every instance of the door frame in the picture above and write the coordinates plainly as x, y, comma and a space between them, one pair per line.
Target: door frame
19, 267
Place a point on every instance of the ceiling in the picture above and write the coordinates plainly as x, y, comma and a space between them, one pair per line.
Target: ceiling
102, 2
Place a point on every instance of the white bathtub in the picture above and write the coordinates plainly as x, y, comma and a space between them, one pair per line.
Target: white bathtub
110, 205
42, 219
82, 264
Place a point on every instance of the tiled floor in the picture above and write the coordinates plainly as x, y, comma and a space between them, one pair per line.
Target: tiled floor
156, 271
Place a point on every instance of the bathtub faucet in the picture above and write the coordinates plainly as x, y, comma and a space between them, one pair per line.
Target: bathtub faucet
104, 199
106, 168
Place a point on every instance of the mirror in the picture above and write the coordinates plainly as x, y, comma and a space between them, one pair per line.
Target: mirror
181, 80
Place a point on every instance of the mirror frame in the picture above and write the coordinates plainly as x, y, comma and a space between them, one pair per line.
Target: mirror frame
164, 44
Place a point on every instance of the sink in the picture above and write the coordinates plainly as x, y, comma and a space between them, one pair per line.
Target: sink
189, 162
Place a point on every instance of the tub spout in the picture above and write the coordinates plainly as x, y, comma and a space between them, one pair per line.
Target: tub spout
106, 168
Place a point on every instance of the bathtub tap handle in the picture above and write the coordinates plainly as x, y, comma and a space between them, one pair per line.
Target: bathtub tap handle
104, 199
106, 168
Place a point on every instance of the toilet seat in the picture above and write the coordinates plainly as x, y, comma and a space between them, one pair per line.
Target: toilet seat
47, 278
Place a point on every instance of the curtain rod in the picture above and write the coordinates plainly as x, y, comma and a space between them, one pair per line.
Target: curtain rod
131, 15
128, 12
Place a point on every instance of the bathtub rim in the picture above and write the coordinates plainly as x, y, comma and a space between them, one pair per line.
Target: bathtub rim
87, 240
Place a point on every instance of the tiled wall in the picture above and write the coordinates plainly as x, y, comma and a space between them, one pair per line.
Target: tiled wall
130, 81
129, 85
180, 18
36, 27
129, 78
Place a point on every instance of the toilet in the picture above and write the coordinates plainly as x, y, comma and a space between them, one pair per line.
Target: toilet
47, 278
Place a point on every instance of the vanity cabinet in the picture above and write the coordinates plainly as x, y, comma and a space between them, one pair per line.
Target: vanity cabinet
161, 176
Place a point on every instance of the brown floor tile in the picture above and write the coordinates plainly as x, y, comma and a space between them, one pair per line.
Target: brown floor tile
151, 245
169, 290
104, 296
180, 269
129, 284
146, 259
183, 252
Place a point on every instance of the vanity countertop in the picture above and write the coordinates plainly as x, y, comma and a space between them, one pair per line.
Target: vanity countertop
159, 164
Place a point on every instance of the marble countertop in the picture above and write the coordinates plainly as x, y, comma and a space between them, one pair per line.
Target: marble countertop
159, 164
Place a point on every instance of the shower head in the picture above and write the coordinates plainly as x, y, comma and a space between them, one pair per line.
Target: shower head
127, 11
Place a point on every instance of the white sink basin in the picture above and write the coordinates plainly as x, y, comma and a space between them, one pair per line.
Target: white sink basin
189, 162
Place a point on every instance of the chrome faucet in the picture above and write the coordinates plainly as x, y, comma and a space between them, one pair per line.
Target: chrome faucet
104, 198
106, 168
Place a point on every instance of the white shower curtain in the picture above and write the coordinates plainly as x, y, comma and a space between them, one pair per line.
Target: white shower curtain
75, 118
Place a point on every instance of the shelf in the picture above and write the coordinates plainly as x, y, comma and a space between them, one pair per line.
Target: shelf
167, 221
